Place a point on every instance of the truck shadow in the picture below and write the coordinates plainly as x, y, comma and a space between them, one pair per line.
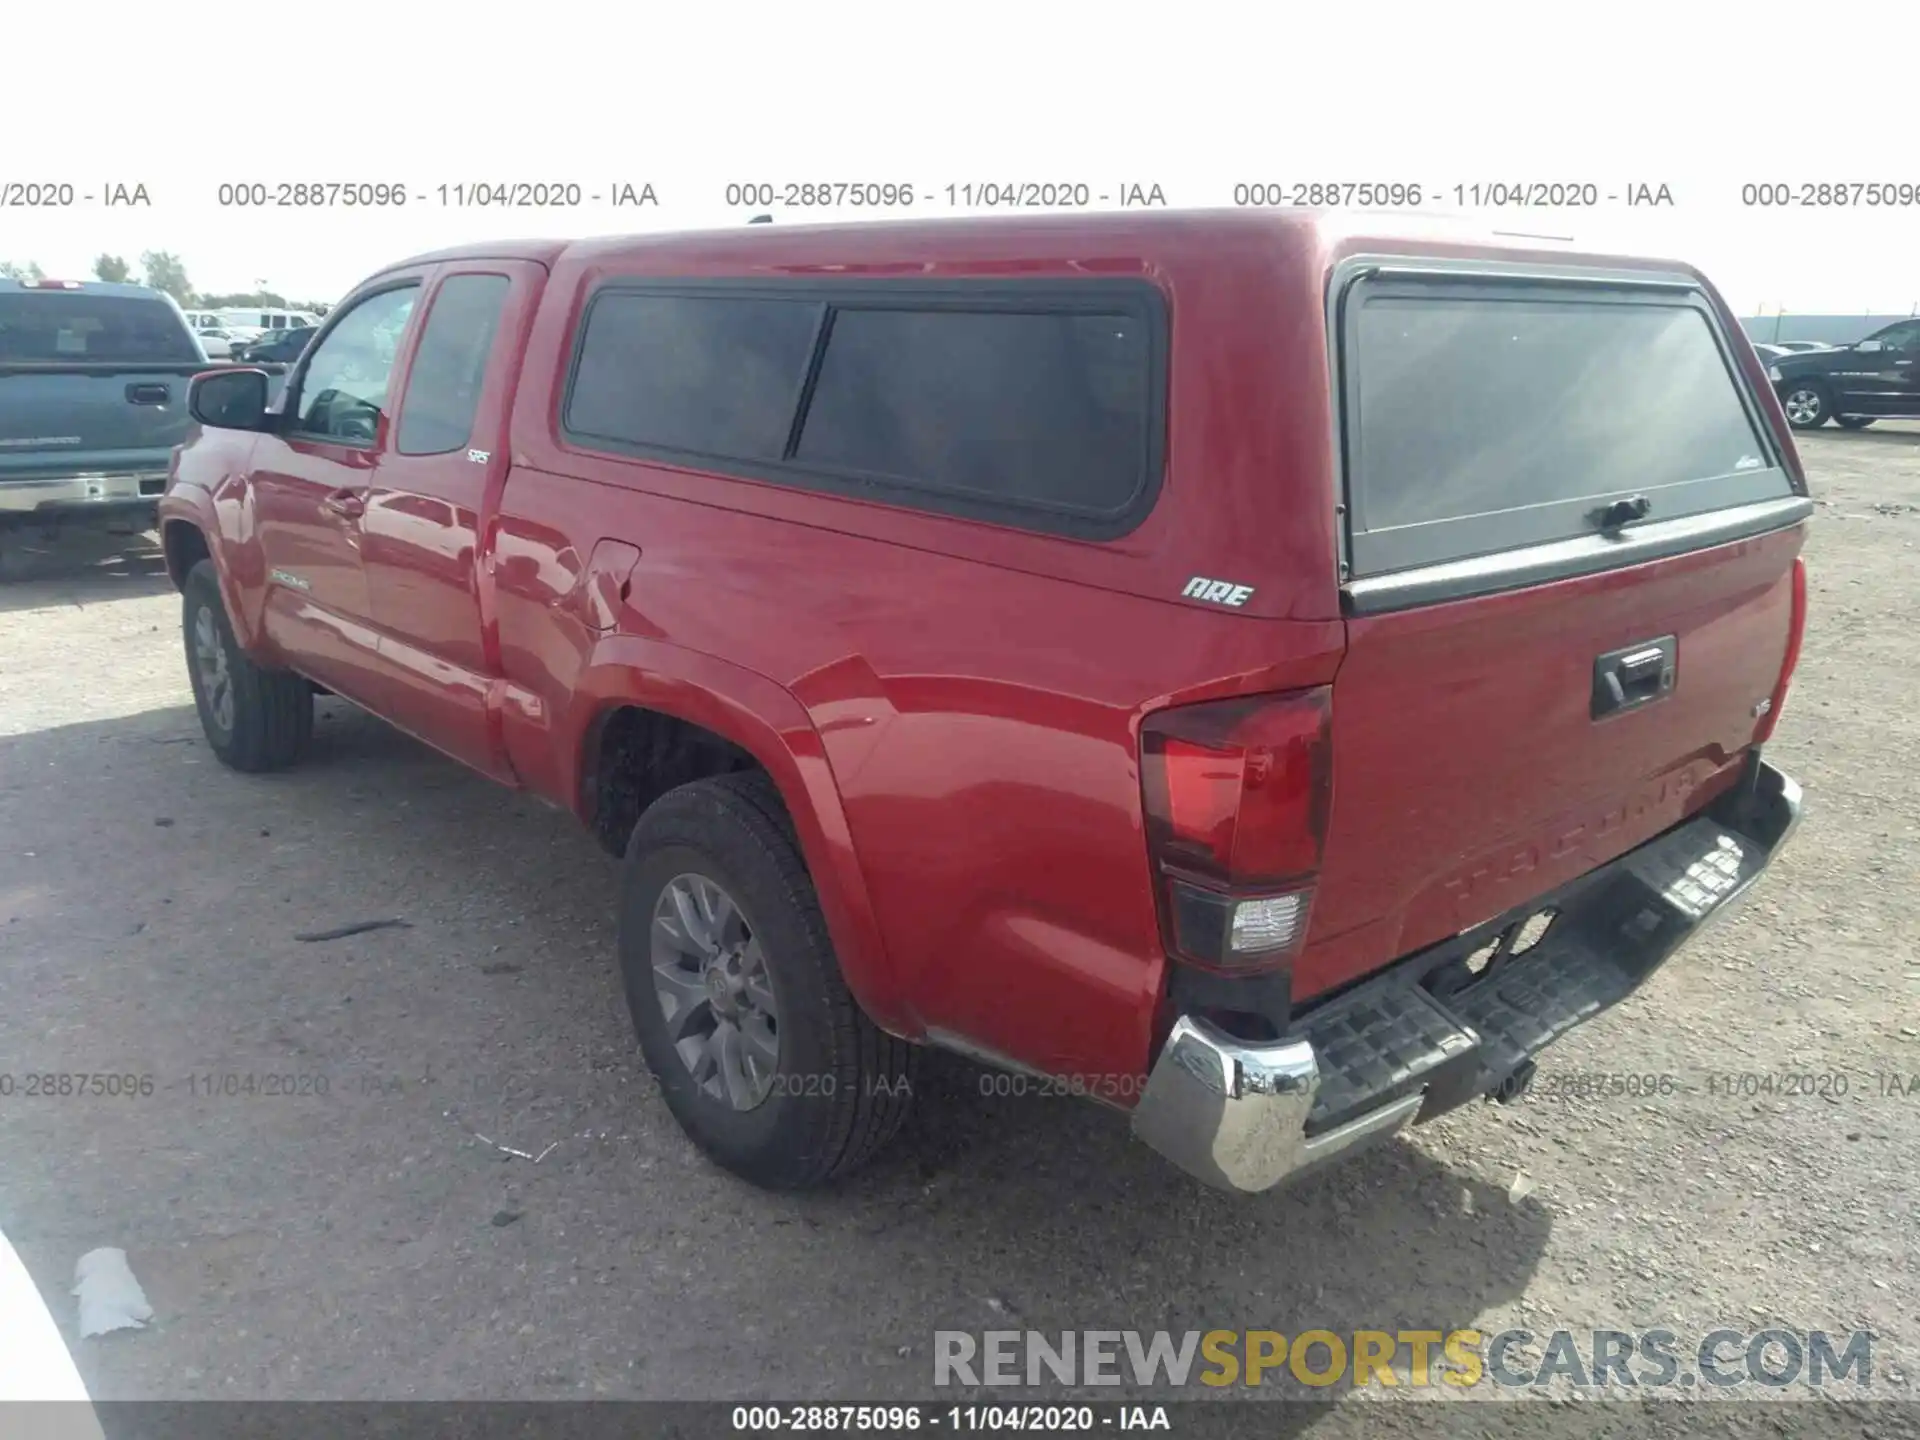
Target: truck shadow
1392, 1240
993, 1211
1063, 1222
77, 567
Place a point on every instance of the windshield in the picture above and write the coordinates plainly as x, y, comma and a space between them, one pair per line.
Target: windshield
53, 326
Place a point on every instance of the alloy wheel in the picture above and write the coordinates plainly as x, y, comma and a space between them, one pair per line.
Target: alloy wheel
1803, 406
711, 978
210, 658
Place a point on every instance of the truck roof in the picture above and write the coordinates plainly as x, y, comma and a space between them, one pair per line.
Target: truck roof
55, 285
893, 241
543, 251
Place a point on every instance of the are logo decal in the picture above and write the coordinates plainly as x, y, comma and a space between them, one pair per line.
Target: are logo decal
1217, 592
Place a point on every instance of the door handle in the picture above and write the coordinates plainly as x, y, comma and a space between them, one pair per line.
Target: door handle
151, 393
347, 504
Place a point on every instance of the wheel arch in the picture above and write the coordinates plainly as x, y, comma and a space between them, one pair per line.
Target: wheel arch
189, 533
645, 691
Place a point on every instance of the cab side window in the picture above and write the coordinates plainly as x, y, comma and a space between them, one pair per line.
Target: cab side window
1905, 338
343, 390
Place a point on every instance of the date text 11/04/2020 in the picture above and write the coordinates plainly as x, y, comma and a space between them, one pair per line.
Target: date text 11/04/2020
988, 1419
903, 197
1574, 1086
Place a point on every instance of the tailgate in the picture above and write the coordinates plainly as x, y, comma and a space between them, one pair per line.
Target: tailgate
1569, 563
80, 419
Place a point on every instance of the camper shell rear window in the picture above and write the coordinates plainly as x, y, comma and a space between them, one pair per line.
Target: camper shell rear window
1486, 415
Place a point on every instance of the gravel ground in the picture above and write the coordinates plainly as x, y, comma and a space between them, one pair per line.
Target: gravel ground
377, 1241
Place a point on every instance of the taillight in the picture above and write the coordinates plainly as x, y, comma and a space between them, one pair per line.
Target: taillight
1796, 632
1236, 796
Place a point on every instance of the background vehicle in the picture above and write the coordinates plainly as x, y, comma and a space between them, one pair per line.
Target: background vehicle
284, 346
987, 659
93, 390
215, 341
1770, 352
252, 323
1799, 346
244, 327
1852, 385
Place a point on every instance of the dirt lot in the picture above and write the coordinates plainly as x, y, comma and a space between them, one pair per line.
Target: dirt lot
368, 1242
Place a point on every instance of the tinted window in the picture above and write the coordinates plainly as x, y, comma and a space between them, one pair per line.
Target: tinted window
1033, 409
1511, 415
707, 374
73, 326
443, 387
1900, 337
343, 391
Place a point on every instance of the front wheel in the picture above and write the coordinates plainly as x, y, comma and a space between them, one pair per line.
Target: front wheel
1806, 404
760, 1051
255, 719
1853, 422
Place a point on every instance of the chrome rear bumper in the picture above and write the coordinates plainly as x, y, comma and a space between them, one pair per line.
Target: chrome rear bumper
81, 493
1234, 1114
1246, 1115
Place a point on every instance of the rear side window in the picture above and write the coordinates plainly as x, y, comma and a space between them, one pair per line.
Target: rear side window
1486, 418
72, 327
450, 365
1036, 407
1024, 408
703, 375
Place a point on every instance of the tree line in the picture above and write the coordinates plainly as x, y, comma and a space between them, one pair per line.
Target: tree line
163, 270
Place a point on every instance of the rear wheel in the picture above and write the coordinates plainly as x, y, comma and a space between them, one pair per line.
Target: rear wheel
1853, 422
760, 1050
255, 719
1806, 403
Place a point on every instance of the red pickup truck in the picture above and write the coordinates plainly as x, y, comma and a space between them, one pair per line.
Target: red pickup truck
1269, 673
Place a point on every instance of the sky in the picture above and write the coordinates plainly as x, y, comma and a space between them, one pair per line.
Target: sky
1195, 98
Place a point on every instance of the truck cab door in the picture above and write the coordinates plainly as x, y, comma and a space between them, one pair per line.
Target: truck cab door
1876, 376
1900, 369
310, 480
433, 490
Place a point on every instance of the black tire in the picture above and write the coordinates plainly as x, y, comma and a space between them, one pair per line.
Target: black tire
1854, 422
1810, 400
840, 1086
266, 717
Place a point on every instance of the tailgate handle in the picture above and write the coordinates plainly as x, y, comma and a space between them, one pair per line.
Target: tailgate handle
1622, 513
149, 393
1636, 675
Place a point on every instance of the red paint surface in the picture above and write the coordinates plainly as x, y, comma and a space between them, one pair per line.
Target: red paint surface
950, 708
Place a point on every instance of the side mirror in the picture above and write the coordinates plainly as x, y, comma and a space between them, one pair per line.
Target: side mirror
230, 399
1869, 346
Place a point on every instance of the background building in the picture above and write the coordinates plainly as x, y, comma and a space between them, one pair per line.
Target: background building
1834, 329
